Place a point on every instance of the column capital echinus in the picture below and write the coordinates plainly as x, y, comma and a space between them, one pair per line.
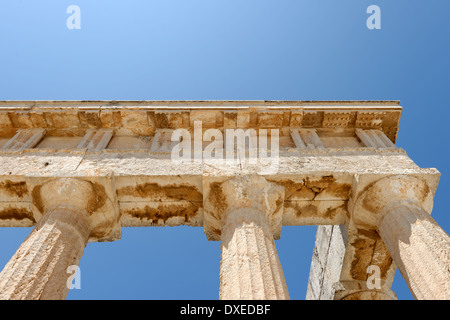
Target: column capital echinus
88, 200
380, 197
253, 195
70, 212
399, 209
248, 217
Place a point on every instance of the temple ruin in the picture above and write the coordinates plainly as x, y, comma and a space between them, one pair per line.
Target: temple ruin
79, 171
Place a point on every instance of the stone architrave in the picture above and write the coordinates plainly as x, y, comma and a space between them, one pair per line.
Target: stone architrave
79, 171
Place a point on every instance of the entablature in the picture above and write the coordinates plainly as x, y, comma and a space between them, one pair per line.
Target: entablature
125, 148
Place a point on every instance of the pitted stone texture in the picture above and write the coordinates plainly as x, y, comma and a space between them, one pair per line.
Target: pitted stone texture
254, 192
339, 265
250, 268
387, 191
398, 209
364, 250
127, 157
38, 270
67, 192
69, 212
25, 138
326, 264
246, 191
421, 250
88, 198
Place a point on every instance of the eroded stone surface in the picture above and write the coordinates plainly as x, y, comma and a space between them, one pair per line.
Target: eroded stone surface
331, 158
85, 196
421, 249
250, 268
326, 263
398, 209
38, 270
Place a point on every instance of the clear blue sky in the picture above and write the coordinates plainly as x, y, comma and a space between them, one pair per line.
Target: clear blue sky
209, 49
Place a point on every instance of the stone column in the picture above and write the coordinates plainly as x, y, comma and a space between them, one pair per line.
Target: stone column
367, 270
398, 208
250, 268
38, 270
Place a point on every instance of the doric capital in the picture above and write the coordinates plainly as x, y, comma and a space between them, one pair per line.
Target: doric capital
66, 192
85, 198
252, 193
379, 197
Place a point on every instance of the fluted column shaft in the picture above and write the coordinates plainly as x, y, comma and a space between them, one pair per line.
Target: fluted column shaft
250, 268
70, 212
399, 208
38, 270
248, 216
420, 248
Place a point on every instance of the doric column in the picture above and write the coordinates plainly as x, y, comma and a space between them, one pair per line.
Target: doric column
326, 262
250, 268
367, 269
38, 270
398, 209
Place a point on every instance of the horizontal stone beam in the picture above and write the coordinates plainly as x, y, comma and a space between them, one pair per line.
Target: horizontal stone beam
43, 163
144, 118
152, 190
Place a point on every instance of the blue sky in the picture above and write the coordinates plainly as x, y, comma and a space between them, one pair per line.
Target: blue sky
213, 50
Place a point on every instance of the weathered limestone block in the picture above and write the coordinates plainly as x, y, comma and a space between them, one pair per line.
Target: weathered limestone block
326, 263
306, 138
336, 151
96, 140
367, 269
162, 141
398, 209
250, 268
25, 138
374, 138
365, 138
